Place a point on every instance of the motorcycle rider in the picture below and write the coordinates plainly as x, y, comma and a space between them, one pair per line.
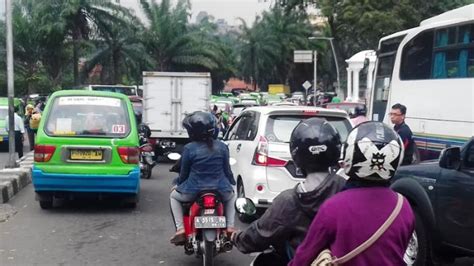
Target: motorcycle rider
360, 113
372, 154
315, 149
204, 166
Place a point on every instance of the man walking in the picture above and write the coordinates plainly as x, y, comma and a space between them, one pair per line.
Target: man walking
19, 131
397, 116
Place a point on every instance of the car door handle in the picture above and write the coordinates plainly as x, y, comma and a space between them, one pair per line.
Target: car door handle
238, 147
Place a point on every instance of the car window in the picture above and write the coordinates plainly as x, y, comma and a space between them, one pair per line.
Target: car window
232, 134
248, 126
279, 128
3, 112
88, 116
469, 162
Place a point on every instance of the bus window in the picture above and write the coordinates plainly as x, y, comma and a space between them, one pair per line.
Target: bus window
416, 57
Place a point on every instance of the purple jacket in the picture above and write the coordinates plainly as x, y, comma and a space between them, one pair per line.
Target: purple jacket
349, 218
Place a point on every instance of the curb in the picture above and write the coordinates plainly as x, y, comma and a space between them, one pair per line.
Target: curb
12, 180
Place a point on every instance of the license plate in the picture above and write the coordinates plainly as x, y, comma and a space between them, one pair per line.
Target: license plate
148, 153
1, 139
89, 155
210, 222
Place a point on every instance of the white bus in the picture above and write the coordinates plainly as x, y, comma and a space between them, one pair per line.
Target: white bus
430, 70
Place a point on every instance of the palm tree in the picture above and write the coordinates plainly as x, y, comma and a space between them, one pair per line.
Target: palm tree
84, 18
169, 40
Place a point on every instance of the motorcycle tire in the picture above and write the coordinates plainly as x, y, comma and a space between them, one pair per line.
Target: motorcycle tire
147, 172
208, 253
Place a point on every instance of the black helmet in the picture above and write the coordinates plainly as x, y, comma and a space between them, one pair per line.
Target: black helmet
373, 151
360, 110
200, 125
315, 145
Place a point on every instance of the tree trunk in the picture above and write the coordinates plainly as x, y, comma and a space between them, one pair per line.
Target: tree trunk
75, 60
116, 67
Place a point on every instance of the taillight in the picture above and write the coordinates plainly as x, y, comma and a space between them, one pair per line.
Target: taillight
310, 112
43, 153
129, 155
209, 201
146, 148
261, 157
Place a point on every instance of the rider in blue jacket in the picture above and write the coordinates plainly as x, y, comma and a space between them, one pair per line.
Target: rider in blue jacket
204, 166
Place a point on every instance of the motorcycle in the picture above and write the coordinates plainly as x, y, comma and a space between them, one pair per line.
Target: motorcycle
146, 156
204, 224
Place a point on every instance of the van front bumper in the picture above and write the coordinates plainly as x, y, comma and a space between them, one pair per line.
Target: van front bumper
49, 182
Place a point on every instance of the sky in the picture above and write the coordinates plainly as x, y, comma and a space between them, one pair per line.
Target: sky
229, 10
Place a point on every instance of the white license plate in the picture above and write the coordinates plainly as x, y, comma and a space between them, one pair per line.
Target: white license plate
210, 222
148, 153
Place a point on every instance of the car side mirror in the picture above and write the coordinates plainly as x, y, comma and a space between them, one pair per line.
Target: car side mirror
450, 158
246, 208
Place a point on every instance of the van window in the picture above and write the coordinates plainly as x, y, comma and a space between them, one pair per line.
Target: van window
279, 128
88, 116
3, 112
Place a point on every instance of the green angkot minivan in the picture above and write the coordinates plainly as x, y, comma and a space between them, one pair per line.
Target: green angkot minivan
87, 145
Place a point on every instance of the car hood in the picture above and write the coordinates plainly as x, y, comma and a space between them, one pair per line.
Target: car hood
427, 169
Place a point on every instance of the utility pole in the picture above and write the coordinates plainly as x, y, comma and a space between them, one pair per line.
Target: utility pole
11, 112
315, 77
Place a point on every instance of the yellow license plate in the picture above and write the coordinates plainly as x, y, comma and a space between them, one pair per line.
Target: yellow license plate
1, 139
89, 155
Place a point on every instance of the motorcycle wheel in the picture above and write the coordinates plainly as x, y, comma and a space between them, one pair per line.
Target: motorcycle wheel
147, 172
208, 254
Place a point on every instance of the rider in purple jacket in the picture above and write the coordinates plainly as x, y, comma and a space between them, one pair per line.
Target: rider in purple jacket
371, 156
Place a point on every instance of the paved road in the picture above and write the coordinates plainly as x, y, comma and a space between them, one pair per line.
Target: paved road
97, 233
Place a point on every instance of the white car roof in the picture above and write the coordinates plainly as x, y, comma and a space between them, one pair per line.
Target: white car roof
269, 110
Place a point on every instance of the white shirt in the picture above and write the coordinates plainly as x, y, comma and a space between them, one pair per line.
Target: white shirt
19, 126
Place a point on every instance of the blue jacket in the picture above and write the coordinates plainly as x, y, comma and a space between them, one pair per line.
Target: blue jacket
204, 168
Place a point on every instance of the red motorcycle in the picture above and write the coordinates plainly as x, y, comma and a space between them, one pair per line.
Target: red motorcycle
204, 224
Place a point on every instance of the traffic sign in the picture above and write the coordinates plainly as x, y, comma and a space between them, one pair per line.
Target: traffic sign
307, 85
303, 56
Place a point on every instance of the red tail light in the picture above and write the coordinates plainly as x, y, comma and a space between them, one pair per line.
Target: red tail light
43, 153
146, 148
129, 155
209, 201
261, 157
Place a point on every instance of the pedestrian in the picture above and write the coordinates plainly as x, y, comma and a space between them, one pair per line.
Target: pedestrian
315, 147
19, 131
397, 117
29, 111
335, 99
359, 116
366, 205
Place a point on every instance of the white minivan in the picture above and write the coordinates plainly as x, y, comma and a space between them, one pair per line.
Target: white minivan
259, 141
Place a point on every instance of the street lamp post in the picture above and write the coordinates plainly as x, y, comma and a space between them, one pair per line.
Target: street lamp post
330, 39
11, 116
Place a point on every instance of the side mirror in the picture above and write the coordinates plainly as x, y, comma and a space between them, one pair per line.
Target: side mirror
174, 156
450, 158
246, 208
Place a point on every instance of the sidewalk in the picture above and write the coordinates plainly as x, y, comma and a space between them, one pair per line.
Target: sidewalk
14, 179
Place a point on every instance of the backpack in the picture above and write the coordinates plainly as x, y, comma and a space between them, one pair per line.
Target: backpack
35, 120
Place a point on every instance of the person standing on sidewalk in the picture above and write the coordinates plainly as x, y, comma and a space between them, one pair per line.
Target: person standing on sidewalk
397, 117
19, 131
29, 110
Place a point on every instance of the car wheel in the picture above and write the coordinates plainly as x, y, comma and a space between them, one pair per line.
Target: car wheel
46, 204
419, 248
131, 202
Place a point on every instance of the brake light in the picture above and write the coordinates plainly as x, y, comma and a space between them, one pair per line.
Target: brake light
261, 157
146, 148
310, 112
209, 201
129, 155
43, 153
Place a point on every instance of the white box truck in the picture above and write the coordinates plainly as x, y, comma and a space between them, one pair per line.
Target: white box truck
167, 98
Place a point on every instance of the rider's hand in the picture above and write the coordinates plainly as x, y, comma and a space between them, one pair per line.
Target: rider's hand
234, 236
174, 187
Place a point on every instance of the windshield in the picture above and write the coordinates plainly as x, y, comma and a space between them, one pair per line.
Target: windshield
279, 128
129, 91
88, 116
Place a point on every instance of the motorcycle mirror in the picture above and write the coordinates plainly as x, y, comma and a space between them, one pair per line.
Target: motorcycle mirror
174, 156
232, 161
245, 207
